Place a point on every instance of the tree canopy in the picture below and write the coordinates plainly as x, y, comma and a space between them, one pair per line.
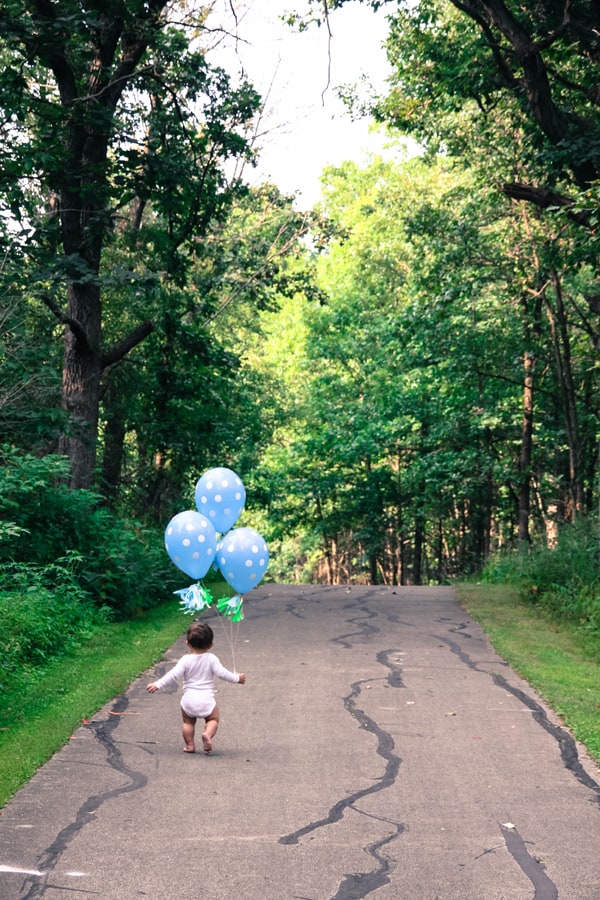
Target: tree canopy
482, 272
405, 377
117, 133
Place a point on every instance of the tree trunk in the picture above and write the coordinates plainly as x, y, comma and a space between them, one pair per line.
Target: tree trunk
419, 536
526, 449
440, 550
598, 522
372, 568
82, 368
114, 439
399, 549
562, 351
90, 81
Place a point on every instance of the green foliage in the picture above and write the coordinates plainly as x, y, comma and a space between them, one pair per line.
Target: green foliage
564, 580
380, 429
397, 447
117, 564
428, 44
30, 414
46, 703
121, 136
44, 612
387, 391
470, 78
186, 399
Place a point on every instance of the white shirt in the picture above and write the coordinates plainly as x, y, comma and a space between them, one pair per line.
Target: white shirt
198, 672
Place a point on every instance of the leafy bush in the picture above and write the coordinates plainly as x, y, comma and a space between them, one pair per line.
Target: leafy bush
564, 580
47, 519
44, 612
117, 564
129, 569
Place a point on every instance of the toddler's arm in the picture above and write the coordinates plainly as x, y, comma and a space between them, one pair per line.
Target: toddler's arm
171, 677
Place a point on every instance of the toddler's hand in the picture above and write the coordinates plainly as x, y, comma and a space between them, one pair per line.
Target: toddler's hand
151, 688
241, 678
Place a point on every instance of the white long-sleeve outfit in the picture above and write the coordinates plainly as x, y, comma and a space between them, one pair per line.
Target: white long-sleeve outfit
198, 672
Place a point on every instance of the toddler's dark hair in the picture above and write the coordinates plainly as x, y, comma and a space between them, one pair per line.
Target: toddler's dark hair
199, 635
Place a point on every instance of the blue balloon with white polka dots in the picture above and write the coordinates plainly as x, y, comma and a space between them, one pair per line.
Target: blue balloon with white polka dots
243, 558
220, 496
191, 542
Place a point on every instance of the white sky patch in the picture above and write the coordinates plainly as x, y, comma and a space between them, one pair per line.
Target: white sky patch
306, 127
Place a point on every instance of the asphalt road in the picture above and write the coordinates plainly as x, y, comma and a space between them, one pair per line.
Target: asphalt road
379, 749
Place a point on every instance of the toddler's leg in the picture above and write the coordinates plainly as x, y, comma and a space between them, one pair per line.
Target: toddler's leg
187, 730
212, 723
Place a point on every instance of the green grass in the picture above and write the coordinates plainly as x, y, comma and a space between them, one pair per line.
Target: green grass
37, 718
559, 660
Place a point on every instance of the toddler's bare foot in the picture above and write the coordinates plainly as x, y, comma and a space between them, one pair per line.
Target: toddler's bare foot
189, 748
206, 743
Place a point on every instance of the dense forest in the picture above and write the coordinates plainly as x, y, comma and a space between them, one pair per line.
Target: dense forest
405, 376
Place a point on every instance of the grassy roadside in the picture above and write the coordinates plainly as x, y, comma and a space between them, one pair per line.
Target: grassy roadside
560, 661
39, 719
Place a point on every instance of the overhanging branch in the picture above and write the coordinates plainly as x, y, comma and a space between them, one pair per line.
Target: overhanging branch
75, 326
544, 198
116, 353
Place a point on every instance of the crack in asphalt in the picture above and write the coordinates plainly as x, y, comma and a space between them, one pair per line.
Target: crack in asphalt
358, 885
566, 743
544, 888
364, 629
394, 679
49, 859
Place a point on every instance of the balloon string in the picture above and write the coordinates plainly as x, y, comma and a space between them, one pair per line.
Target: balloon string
230, 635
233, 628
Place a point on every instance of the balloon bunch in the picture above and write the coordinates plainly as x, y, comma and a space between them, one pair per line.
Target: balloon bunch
192, 542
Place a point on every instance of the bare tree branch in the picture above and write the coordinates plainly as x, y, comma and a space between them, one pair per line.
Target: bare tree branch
116, 353
544, 198
64, 319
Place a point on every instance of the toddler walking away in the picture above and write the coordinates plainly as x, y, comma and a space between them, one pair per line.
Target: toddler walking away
198, 669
